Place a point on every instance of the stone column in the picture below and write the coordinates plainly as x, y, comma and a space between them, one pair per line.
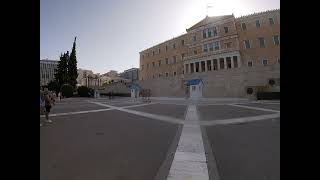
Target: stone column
205, 66
232, 64
225, 63
239, 61
194, 67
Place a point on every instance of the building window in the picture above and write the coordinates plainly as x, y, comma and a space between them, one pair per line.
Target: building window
167, 74
205, 48
210, 46
148, 66
142, 56
166, 48
195, 52
243, 26
153, 64
209, 32
187, 68
226, 29
247, 44
228, 44
216, 45
265, 62
276, 40
148, 54
215, 33
215, 64
167, 61
271, 22
258, 23
174, 45
159, 62
209, 65
228, 59
250, 63
152, 53
174, 59
191, 67
194, 39
204, 33
182, 42
174, 73
159, 75
159, 50
182, 56
235, 61
221, 60
153, 76
262, 42
197, 66
203, 66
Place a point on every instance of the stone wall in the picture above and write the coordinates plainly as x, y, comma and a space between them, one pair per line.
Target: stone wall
164, 87
116, 88
222, 83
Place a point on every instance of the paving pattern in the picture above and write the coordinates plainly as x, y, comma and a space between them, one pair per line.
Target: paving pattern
125, 139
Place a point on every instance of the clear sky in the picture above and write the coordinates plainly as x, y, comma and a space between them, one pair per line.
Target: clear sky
111, 33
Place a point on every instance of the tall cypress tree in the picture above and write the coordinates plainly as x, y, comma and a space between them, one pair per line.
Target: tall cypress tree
72, 66
61, 73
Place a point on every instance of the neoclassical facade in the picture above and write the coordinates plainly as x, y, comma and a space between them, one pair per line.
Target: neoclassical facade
215, 47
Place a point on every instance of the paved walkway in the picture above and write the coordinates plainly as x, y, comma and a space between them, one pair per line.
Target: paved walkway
189, 159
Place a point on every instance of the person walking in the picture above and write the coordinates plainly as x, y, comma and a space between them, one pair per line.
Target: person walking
41, 106
48, 105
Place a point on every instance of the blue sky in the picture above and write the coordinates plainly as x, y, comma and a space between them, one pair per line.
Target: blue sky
110, 34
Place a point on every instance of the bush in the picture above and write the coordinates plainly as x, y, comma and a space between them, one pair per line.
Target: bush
268, 95
53, 86
91, 92
83, 91
67, 90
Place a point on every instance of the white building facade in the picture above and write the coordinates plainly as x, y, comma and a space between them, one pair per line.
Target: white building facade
47, 71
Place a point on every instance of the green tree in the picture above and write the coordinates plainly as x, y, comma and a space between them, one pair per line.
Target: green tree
72, 66
53, 86
61, 74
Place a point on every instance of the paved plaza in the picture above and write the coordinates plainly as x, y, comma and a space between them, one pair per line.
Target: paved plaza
95, 139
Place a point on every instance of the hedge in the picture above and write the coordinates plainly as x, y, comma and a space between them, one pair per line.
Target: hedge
67, 90
83, 91
268, 95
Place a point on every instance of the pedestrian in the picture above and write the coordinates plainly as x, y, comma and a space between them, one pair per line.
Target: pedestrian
48, 105
41, 105
53, 98
59, 96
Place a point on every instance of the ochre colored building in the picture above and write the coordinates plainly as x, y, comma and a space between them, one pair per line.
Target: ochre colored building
229, 54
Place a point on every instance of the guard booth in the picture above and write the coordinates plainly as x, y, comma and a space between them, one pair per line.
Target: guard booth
195, 88
135, 90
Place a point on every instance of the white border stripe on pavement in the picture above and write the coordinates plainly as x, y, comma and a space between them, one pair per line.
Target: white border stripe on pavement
239, 120
78, 112
144, 114
255, 108
189, 161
